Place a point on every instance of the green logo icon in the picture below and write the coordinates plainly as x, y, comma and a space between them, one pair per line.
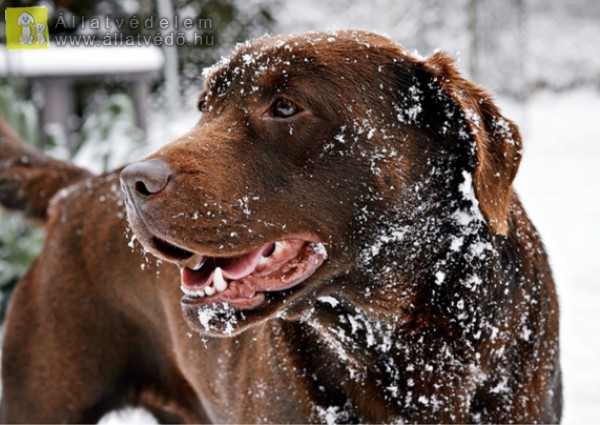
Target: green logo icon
26, 27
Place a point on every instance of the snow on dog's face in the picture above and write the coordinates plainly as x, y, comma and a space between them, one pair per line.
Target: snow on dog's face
312, 153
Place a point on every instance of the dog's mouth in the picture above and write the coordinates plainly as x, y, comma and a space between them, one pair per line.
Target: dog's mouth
242, 281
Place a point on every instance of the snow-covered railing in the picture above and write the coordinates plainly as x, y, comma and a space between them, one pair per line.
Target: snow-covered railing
55, 70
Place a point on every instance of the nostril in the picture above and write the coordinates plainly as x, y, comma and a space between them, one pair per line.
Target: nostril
142, 189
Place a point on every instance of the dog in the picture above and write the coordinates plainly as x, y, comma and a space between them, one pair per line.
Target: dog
40, 37
25, 21
336, 240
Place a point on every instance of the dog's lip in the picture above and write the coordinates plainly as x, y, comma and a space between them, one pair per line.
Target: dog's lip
242, 281
170, 251
248, 291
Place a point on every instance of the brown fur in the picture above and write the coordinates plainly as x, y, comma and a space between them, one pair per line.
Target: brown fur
438, 317
29, 179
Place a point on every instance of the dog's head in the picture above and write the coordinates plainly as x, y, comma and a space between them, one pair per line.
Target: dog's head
40, 27
307, 145
25, 19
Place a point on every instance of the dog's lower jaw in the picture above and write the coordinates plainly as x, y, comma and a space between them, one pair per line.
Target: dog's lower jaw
223, 320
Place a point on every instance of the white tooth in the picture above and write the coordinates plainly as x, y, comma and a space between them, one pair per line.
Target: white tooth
199, 265
279, 246
219, 281
209, 290
319, 248
199, 293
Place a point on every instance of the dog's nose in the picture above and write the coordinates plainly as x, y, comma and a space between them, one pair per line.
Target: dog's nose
145, 178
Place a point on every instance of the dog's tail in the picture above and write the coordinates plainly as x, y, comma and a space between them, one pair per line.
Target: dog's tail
28, 178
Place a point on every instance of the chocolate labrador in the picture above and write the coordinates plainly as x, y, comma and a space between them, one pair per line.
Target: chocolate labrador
336, 240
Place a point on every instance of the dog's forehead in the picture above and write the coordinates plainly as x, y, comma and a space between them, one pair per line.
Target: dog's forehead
266, 60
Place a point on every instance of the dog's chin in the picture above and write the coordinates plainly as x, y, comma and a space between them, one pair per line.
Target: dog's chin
222, 320
226, 293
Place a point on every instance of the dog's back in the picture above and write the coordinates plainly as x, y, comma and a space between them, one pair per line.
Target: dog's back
86, 329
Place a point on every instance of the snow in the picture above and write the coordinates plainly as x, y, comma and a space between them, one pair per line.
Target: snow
329, 300
72, 60
553, 49
129, 416
464, 218
330, 415
219, 318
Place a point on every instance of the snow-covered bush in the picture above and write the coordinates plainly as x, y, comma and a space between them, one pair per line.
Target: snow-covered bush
19, 243
108, 138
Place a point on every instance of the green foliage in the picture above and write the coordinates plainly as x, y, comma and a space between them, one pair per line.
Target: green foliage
19, 242
19, 245
108, 136
21, 116
107, 139
100, 125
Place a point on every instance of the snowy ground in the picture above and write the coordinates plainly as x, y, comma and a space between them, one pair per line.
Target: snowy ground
559, 184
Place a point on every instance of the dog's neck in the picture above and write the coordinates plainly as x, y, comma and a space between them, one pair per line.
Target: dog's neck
383, 345
402, 312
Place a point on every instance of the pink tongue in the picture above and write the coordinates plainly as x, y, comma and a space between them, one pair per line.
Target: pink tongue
233, 268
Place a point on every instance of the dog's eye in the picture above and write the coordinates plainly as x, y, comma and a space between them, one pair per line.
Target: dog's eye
283, 108
202, 105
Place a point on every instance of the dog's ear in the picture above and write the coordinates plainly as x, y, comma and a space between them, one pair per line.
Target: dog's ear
496, 139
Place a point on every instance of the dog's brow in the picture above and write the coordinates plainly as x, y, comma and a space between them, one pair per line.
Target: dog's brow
220, 81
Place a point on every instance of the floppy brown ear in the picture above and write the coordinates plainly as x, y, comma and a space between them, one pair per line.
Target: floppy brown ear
496, 139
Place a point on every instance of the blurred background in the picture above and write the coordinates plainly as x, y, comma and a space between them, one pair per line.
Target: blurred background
104, 106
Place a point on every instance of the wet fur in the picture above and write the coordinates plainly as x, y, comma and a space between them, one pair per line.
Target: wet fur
434, 319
